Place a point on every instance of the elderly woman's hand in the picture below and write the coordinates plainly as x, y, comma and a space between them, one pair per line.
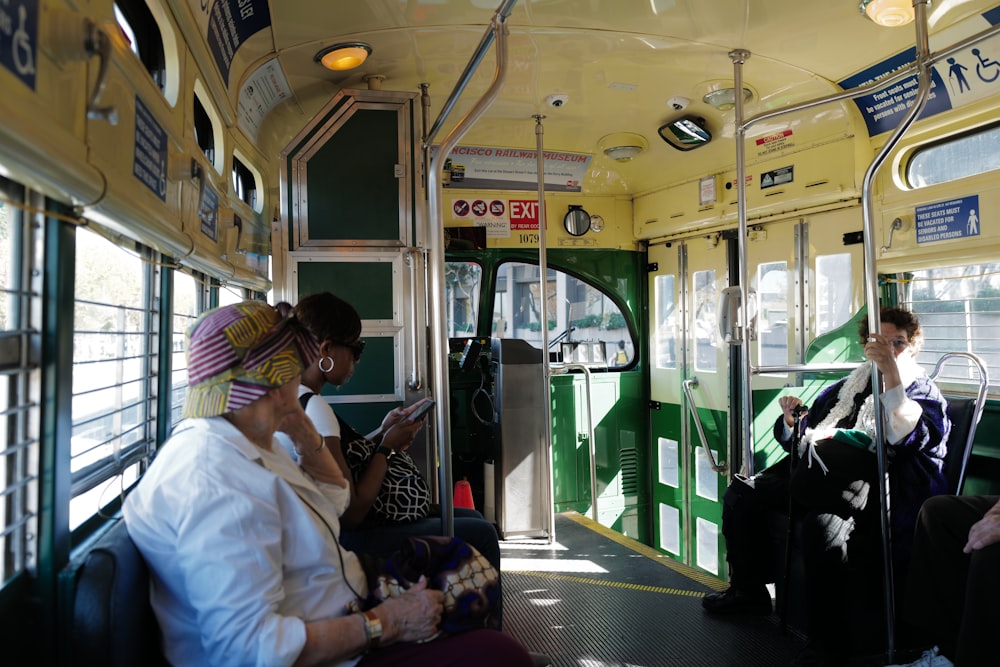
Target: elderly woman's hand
314, 457
788, 405
412, 616
879, 349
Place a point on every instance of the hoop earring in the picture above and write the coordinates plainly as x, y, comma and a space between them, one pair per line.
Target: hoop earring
326, 370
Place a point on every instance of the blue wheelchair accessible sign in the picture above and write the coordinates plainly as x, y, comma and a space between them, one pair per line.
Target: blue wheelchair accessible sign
952, 219
19, 38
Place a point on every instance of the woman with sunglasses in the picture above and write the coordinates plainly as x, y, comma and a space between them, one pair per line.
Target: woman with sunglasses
835, 485
337, 326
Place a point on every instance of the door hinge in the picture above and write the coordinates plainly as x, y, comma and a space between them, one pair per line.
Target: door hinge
653, 267
654, 405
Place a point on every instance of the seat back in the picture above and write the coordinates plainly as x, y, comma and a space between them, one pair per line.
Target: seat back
964, 413
112, 623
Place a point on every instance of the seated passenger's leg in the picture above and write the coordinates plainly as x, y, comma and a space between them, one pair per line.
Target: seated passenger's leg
748, 544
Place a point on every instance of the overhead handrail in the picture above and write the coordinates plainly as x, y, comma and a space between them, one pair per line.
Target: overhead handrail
720, 468
590, 434
437, 320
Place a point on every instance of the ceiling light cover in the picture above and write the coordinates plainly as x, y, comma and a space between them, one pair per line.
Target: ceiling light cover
888, 13
622, 146
340, 57
622, 153
724, 99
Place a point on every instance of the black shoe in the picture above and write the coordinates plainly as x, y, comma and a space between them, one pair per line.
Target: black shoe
738, 601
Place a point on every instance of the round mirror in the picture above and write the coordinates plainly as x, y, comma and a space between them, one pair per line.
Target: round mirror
577, 221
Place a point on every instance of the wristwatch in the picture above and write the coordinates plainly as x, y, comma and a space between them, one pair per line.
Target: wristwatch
388, 452
373, 629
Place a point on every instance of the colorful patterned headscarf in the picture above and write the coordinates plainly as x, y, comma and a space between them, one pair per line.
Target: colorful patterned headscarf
238, 353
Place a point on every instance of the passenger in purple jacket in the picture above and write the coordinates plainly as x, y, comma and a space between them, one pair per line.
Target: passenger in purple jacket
835, 489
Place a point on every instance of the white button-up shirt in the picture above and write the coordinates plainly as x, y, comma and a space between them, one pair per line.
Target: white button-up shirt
242, 548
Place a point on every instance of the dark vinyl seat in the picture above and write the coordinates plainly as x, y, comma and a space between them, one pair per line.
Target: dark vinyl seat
964, 412
112, 623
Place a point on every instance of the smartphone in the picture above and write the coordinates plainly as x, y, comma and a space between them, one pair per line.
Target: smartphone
422, 410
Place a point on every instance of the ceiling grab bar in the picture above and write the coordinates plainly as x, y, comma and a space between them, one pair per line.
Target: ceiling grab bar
435, 262
590, 435
720, 468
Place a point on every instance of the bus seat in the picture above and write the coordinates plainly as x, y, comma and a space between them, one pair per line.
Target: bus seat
112, 622
964, 413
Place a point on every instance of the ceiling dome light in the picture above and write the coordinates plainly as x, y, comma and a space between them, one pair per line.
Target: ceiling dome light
724, 99
341, 57
622, 153
622, 146
888, 13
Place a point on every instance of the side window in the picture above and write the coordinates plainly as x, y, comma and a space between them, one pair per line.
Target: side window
833, 291
959, 311
204, 130
772, 313
244, 183
189, 302
584, 322
956, 157
20, 394
114, 366
143, 34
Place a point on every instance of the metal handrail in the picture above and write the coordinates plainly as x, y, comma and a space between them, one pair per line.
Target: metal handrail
437, 319
720, 468
984, 386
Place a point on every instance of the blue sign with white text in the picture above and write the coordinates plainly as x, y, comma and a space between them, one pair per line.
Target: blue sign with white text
19, 38
230, 23
149, 163
952, 219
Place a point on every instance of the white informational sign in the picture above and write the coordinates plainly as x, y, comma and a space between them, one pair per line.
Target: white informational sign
668, 462
706, 479
263, 90
708, 545
670, 529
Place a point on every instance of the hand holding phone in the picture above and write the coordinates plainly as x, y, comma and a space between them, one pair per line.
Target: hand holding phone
422, 409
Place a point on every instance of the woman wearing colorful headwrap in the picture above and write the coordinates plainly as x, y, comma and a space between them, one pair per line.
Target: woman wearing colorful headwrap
242, 543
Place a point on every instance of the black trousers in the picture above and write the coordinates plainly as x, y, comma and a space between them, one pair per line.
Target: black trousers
951, 597
841, 533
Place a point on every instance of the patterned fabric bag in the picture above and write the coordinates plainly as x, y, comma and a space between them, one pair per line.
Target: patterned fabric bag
470, 583
404, 495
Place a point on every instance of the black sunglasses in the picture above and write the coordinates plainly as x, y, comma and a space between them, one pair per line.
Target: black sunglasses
356, 348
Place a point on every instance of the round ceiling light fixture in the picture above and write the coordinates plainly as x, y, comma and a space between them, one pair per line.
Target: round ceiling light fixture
344, 56
888, 13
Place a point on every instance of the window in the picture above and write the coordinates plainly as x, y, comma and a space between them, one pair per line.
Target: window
577, 313
115, 351
204, 133
772, 313
956, 157
959, 311
833, 291
706, 330
143, 34
189, 302
244, 183
462, 282
665, 318
19, 397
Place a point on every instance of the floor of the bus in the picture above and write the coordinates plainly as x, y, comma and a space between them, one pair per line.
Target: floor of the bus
594, 598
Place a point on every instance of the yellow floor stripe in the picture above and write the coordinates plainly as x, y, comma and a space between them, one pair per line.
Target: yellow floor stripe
612, 584
657, 556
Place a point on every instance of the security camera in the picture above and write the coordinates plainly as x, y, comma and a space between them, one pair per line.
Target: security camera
678, 103
557, 100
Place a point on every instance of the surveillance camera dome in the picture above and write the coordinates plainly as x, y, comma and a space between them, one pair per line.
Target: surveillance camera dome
678, 103
556, 100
